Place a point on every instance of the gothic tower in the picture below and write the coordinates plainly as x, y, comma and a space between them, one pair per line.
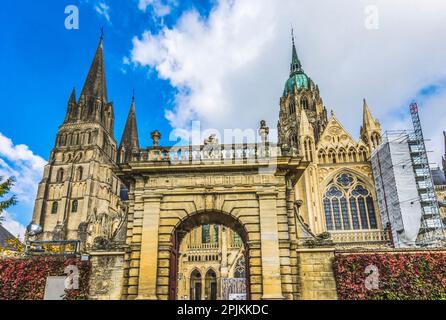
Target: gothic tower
303, 116
78, 196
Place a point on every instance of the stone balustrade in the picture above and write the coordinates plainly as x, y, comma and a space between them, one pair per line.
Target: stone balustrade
360, 237
227, 154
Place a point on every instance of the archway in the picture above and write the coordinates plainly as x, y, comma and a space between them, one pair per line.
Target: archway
211, 285
195, 285
212, 225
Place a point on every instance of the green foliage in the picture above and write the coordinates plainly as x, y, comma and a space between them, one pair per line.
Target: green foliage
402, 276
5, 188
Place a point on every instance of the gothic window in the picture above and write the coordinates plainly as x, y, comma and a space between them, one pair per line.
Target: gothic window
342, 156
352, 155
206, 233
237, 240
292, 107
74, 206
322, 156
59, 177
332, 156
349, 205
304, 103
308, 149
363, 154
376, 139
240, 269
216, 227
54, 207
79, 173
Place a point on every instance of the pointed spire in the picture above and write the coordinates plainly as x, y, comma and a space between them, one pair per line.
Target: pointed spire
130, 140
95, 84
367, 115
305, 128
296, 66
72, 96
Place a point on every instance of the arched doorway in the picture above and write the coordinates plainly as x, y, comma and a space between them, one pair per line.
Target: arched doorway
211, 285
213, 279
195, 285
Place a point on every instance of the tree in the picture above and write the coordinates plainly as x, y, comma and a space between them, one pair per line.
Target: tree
5, 188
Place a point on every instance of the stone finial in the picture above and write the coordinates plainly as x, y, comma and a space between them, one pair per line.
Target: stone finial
263, 131
156, 136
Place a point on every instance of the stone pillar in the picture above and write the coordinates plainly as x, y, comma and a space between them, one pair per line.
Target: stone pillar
224, 253
148, 269
269, 237
203, 287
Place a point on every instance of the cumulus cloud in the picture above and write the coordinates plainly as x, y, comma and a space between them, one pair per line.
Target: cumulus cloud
160, 8
20, 162
13, 226
229, 69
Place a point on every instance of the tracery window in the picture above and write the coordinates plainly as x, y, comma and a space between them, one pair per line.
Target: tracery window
304, 103
292, 107
240, 269
206, 233
349, 205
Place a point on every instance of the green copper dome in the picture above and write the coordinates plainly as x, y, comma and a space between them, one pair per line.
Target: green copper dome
299, 80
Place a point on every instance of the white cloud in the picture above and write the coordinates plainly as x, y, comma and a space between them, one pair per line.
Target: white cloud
160, 8
230, 68
103, 10
14, 227
24, 165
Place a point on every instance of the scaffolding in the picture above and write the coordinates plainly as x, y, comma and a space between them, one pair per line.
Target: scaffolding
432, 231
405, 188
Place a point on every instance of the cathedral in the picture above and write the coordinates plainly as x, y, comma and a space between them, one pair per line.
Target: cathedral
212, 221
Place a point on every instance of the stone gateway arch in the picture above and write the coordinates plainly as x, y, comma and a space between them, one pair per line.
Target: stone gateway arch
252, 196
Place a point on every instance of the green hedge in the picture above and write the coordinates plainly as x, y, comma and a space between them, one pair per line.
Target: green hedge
401, 276
25, 279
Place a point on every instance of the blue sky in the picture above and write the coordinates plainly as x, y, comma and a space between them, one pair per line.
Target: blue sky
223, 62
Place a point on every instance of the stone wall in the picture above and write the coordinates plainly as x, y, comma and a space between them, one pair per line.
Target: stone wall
316, 277
107, 275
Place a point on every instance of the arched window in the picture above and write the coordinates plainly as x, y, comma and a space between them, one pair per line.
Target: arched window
59, 177
240, 269
206, 233
308, 150
304, 103
332, 156
349, 205
74, 206
363, 154
79, 173
54, 207
322, 157
376, 139
352, 155
292, 107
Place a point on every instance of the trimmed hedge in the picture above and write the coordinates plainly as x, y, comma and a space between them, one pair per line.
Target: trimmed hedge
402, 276
25, 279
